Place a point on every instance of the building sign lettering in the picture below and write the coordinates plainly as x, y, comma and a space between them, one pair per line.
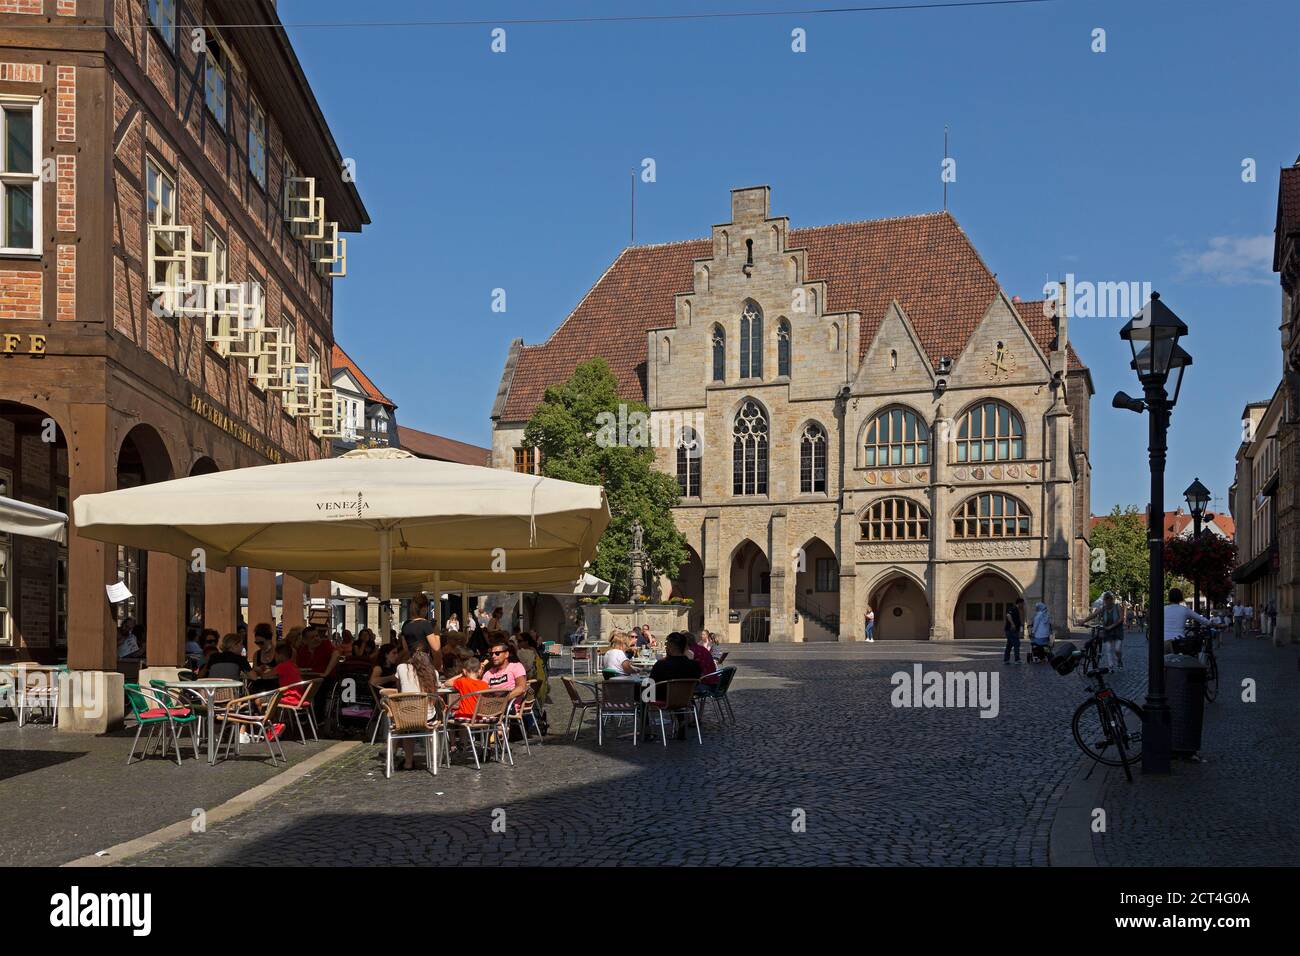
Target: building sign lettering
235, 430
25, 343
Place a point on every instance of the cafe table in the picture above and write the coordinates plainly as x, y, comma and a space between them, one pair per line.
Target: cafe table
207, 688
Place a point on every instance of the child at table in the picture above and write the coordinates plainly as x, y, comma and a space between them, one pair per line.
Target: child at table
286, 672
469, 681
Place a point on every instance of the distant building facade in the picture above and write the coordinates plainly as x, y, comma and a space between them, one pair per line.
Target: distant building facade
857, 416
1254, 498
367, 417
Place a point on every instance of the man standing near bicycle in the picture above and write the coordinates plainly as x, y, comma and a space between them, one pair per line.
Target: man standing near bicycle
1177, 614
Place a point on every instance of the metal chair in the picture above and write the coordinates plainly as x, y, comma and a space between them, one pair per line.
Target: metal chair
580, 655
718, 692
37, 690
522, 711
304, 705
254, 713
617, 700
159, 712
580, 703
679, 700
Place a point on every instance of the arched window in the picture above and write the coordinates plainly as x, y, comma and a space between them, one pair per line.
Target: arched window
749, 451
719, 354
991, 515
751, 340
812, 460
990, 431
688, 463
896, 436
783, 348
896, 519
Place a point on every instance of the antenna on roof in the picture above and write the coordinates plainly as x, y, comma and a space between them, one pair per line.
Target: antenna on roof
633, 174
945, 159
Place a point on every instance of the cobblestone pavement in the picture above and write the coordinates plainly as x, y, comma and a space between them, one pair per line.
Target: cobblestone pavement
815, 733
66, 795
1237, 807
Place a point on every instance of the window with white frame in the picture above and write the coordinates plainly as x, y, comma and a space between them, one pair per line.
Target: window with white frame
257, 141
162, 14
160, 210
20, 192
215, 76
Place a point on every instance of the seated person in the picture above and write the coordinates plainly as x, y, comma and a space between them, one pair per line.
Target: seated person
702, 657
384, 673
286, 671
364, 647
469, 682
193, 649
678, 665
227, 663
616, 660
264, 659
504, 674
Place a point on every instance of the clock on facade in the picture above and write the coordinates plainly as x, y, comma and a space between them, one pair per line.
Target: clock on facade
1000, 364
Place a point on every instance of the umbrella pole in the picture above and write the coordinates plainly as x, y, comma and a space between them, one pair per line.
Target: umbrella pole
437, 600
464, 610
385, 584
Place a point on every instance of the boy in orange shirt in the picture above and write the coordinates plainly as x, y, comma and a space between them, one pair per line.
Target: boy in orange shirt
469, 681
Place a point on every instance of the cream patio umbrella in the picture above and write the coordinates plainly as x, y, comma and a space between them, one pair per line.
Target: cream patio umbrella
372, 516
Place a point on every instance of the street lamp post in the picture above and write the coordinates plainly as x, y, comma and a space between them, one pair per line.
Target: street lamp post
1198, 499
1157, 330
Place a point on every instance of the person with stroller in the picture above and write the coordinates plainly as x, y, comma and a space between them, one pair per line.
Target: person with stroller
1040, 634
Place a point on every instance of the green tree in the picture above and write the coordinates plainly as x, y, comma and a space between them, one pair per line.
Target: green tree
572, 427
1121, 561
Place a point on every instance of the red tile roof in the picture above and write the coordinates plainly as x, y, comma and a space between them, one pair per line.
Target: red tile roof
1040, 327
926, 262
1176, 522
425, 445
341, 360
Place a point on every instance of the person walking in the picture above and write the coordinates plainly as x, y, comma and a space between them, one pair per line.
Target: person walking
1238, 618
1250, 619
1013, 624
871, 625
1271, 613
1040, 634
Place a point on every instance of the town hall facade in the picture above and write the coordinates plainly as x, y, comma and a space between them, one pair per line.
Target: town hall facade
863, 419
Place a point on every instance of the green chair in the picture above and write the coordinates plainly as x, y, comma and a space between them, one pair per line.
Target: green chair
162, 713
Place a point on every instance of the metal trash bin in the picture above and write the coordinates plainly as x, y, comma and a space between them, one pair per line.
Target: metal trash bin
1185, 687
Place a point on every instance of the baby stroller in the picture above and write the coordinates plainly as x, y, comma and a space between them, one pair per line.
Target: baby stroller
352, 706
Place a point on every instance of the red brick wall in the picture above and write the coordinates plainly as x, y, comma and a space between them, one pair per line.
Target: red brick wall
20, 294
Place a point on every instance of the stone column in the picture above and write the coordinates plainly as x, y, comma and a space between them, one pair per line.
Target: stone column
292, 591
781, 605
350, 615
261, 599
943, 573
91, 697
221, 600
714, 597
165, 610
851, 623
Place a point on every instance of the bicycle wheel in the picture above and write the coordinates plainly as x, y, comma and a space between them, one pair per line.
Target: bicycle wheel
1098, 729
1211, 676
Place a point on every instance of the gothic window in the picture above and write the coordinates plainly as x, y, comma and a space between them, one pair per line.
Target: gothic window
990, 431
751, 340
719, 354
749, 451
896, 519
896, 436
783, 348
991, 515
812, 460
688, 463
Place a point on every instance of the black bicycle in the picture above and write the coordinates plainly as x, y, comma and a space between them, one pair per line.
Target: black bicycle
1201, 641
1107, 727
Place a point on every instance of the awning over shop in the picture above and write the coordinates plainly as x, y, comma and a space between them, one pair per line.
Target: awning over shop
18, 517
1256, 567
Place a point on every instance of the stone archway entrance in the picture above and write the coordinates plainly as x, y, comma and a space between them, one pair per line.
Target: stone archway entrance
756, 626
981, 606
689, 583
902, 610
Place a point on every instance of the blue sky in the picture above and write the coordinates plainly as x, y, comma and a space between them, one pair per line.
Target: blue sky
485, 170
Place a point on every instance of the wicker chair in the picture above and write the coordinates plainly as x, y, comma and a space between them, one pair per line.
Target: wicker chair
679, 700
256, 714
304, 706
413, 716
489, 722
581, 704
617, 700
